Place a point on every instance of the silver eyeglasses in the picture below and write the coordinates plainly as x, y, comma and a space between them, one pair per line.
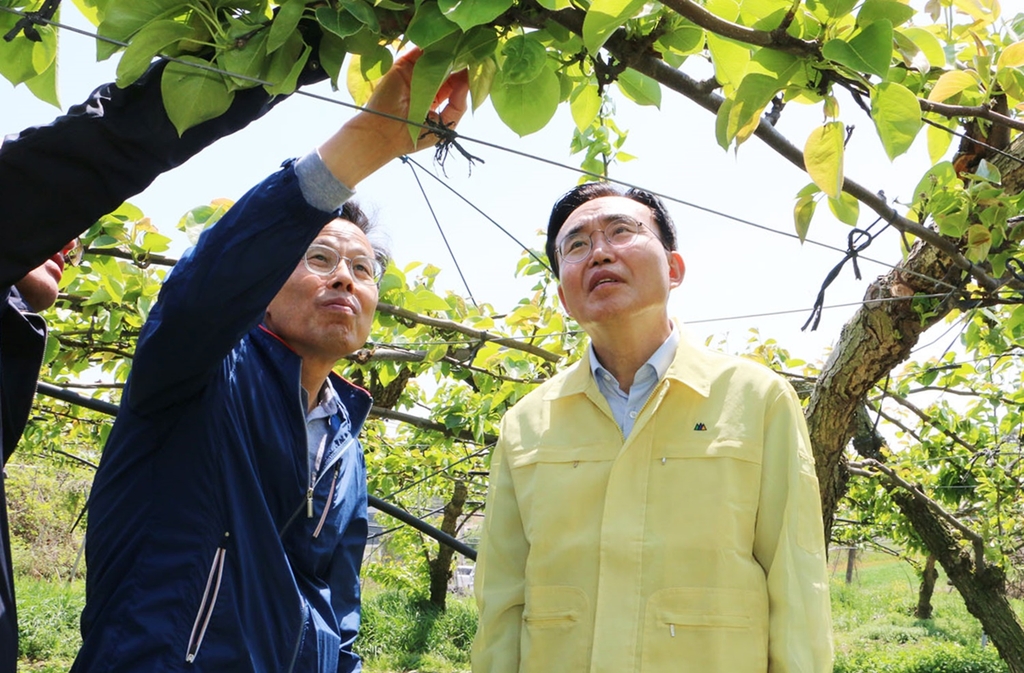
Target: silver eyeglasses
323, 260
620, 233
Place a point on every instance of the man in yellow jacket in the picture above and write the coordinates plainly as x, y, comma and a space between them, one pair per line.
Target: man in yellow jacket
654, 507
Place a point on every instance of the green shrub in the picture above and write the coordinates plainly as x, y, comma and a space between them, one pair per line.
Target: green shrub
48, 623
936, 657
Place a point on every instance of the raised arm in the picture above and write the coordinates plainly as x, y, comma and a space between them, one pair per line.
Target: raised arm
221, 290
57, 180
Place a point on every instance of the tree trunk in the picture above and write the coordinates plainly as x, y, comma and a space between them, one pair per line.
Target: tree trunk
851, 563
924, 595
441, 565
983, 589
879, 336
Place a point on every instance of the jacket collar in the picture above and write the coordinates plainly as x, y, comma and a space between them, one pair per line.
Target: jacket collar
690, 367
357, 401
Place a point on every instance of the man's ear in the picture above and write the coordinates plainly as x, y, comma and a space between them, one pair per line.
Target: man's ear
561, 298
676, 268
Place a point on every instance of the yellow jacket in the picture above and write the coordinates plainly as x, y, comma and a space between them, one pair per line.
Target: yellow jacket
693, 546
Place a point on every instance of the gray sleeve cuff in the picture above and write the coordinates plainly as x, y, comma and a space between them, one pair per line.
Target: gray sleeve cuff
319, 186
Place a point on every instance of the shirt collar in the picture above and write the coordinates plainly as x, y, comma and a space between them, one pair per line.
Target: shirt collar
690, 365
659, 361
328, 404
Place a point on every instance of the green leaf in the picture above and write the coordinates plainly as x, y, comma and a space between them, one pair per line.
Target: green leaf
338, 21
752, 96
639, 88
584, 103
525, 59
44, 85
897, 117
939, 139
429, 25
802, 214
146, 44
893, 11
249, 60
285, 23
526, 108
603, 18
1012, 56
686, 39
928, 44
555, 5
191, 95
16, 55
869, 51
979, 241
375, 64
823, 157
123, 19
730, 60
469, 13
364, 12
835, 8
481, 78
44, 52
846, 208
286, 65
429, 73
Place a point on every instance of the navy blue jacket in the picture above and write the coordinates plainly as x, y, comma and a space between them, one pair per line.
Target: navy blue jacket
23, 338
201, 552
55, 181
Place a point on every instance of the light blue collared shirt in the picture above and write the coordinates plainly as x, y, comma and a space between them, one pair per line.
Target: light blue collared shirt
626, 407
318, 425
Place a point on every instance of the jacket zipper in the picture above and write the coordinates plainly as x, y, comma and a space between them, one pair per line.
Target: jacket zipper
209, 600
307, 502
329, 503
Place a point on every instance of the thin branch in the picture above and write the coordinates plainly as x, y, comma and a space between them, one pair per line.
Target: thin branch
390, 309
977, 111
977, 541
907, 404
427, 424
378, 354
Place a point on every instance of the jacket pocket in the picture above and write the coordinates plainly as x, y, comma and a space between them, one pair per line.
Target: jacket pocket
207, 604
696, 630
556, 630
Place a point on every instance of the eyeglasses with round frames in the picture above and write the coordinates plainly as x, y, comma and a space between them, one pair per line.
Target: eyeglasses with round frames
324, 260
72, 252
620, 233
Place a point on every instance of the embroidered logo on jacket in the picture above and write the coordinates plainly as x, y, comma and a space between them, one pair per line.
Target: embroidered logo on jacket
700, 427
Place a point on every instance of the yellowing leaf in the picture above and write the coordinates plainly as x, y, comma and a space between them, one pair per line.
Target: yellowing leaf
802, 214
358, 86
979, 241
951, 83
939, 141
730, 60
823, 157
846, 208
1012, 56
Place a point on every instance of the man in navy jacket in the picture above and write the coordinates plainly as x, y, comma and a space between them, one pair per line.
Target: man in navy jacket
228, 516
101, 152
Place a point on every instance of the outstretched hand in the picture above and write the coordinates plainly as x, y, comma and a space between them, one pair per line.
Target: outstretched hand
368, 140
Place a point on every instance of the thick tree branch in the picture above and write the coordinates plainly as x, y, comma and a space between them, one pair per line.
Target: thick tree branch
777, 39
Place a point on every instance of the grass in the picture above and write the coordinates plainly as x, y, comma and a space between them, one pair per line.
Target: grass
874, 627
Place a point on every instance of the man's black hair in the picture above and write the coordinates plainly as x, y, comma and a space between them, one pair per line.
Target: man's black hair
589, 191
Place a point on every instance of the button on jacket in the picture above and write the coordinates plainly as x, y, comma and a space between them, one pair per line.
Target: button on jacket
205, 549
695, 545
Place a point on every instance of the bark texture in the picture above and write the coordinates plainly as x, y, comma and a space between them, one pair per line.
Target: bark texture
441, 565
